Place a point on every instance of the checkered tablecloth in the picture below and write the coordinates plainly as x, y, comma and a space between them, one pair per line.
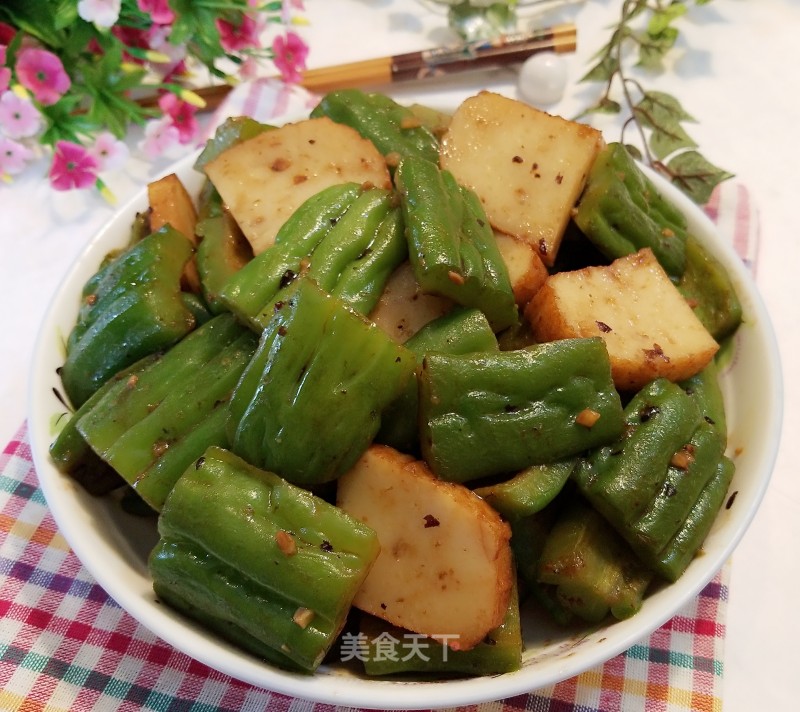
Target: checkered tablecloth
66, 646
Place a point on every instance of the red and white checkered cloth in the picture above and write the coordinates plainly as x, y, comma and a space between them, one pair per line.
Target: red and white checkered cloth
65, 646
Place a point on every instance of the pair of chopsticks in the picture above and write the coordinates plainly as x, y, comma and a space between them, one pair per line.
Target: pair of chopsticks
437, 62
504, 50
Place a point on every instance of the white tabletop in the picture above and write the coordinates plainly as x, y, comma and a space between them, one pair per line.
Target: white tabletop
734, 71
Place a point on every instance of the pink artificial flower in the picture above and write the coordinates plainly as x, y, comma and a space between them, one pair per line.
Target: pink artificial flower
158, 39
109, 153
7, 33
42, 73
181, 115
130, 37
289, 55
245, 35
249, 69
175, 73
19, 118
286, 9
103, 13
73, 167
5, 72
159, 10
13, 156
159, 136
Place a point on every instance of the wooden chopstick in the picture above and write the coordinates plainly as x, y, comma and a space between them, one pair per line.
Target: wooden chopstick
437, 62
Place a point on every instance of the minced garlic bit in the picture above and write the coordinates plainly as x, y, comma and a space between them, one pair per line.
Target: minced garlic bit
303, 616
286, 542
393, 159
410, 122
587, 417
455, 277
683, 458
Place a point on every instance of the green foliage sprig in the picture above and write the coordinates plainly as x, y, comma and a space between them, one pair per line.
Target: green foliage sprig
646, 31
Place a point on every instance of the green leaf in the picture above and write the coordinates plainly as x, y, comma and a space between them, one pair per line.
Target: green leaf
76, 41
659, 116
107, 85
35, 18
634, 152
658, 107
195, 26
605, 106
666, 141
663, 17
632, 10
65, 14
62, 122
501, 16
181, 31
663, 114
478, 22
653, 48
695, 175
602, 71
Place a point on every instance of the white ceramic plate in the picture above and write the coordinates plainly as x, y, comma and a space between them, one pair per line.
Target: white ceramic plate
114, 547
